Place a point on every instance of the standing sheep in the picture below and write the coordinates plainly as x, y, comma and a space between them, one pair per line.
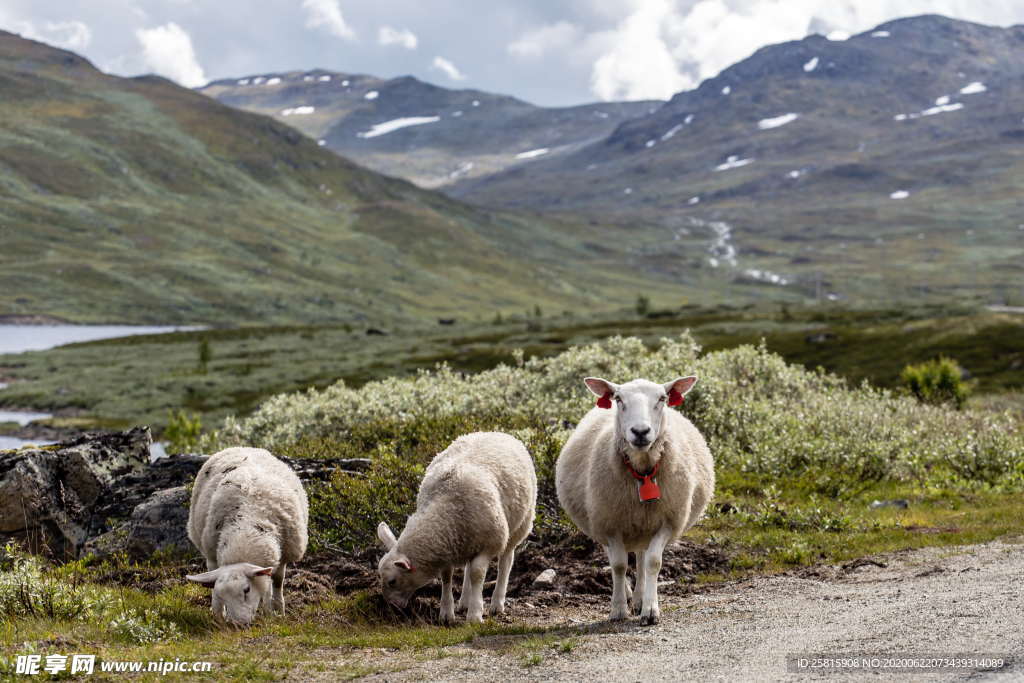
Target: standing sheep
634, 476
249, 518
476, 501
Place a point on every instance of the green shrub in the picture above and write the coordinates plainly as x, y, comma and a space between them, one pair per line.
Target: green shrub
936, 382
643, 304
182, 432
758, 413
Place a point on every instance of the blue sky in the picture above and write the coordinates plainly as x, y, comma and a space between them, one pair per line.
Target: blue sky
550, 52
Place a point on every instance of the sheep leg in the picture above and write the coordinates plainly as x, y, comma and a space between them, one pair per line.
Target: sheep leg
619, 560
464, 595
447, 600
477, 574
638, 590
650, 613
278, 580
501, 585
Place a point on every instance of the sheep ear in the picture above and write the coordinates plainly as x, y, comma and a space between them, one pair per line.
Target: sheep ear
206, 578
678, 388
387, 538
404, 564
600, 387
256, 570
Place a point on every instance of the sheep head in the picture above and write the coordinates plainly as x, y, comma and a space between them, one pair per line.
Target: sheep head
237, 591
639, 406
399, 579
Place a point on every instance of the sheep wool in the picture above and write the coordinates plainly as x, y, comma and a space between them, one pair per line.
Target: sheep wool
249, 518
477, 501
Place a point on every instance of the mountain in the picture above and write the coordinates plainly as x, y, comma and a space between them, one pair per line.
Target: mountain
429, 135
886, 165
135, 200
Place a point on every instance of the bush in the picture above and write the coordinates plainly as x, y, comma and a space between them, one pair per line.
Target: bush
182, 432
643, 304
758, 413
936, 382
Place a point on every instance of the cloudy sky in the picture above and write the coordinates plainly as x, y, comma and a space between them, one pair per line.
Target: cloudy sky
551, 52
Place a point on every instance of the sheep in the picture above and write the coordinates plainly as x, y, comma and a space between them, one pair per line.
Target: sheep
476, 501
634, 478
249, 517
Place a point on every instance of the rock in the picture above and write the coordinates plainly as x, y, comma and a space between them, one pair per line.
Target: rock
901, 503
49, 496
99, 493
546, 579
157, 524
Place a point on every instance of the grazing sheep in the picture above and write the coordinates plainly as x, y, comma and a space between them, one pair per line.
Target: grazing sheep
634, 476
249, 518
476, 501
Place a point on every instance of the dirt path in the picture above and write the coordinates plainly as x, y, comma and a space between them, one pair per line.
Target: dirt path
938, 601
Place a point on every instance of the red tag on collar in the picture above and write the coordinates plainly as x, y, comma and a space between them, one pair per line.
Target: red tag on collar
605, 401
675, 398
649, 489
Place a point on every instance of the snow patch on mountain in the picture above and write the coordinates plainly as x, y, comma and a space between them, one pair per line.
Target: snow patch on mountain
777, 121
397, 124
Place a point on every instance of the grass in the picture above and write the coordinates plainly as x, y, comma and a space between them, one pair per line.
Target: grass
142, 379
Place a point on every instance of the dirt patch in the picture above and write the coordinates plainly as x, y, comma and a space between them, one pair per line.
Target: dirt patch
581, 567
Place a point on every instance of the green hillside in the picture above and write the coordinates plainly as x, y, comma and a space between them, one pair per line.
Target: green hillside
135, 200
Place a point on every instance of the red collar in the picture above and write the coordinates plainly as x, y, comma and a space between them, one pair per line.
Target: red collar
647, 488
637, 475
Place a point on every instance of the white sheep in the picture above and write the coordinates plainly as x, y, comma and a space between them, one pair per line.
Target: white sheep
476, 502
634, 476
248, 517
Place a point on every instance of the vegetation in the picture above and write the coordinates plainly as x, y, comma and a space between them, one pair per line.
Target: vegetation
182, 432
936, 382
143, 379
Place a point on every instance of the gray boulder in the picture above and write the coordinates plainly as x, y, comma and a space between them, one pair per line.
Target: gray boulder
157, 525
49, 495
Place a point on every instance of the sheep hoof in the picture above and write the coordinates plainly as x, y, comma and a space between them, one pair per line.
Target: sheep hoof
636, 607
477, 618
448, 618
496, 608
619, 614
650, 619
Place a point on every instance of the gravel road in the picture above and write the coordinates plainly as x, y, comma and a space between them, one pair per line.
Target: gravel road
963, 601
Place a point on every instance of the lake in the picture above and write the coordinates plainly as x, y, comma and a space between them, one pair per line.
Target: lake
22, 417
19, 338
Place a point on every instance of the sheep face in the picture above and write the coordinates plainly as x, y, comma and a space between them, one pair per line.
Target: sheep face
399, 579
639, 406
237, 591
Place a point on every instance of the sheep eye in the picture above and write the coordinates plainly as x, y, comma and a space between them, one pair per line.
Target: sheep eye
391, 582
246, 590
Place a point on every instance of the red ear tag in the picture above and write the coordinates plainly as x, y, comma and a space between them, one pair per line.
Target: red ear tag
649, 489
675, 398
605, 401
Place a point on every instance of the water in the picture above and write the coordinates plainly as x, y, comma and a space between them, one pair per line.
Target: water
18, 338
22, 417
9, 442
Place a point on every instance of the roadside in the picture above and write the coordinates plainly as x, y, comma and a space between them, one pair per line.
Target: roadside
930, 602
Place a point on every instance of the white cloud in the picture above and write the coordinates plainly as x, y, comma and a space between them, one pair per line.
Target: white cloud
449, 69
167, 50
326, 14
394, 36
663, 46
534, 44
69, 35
